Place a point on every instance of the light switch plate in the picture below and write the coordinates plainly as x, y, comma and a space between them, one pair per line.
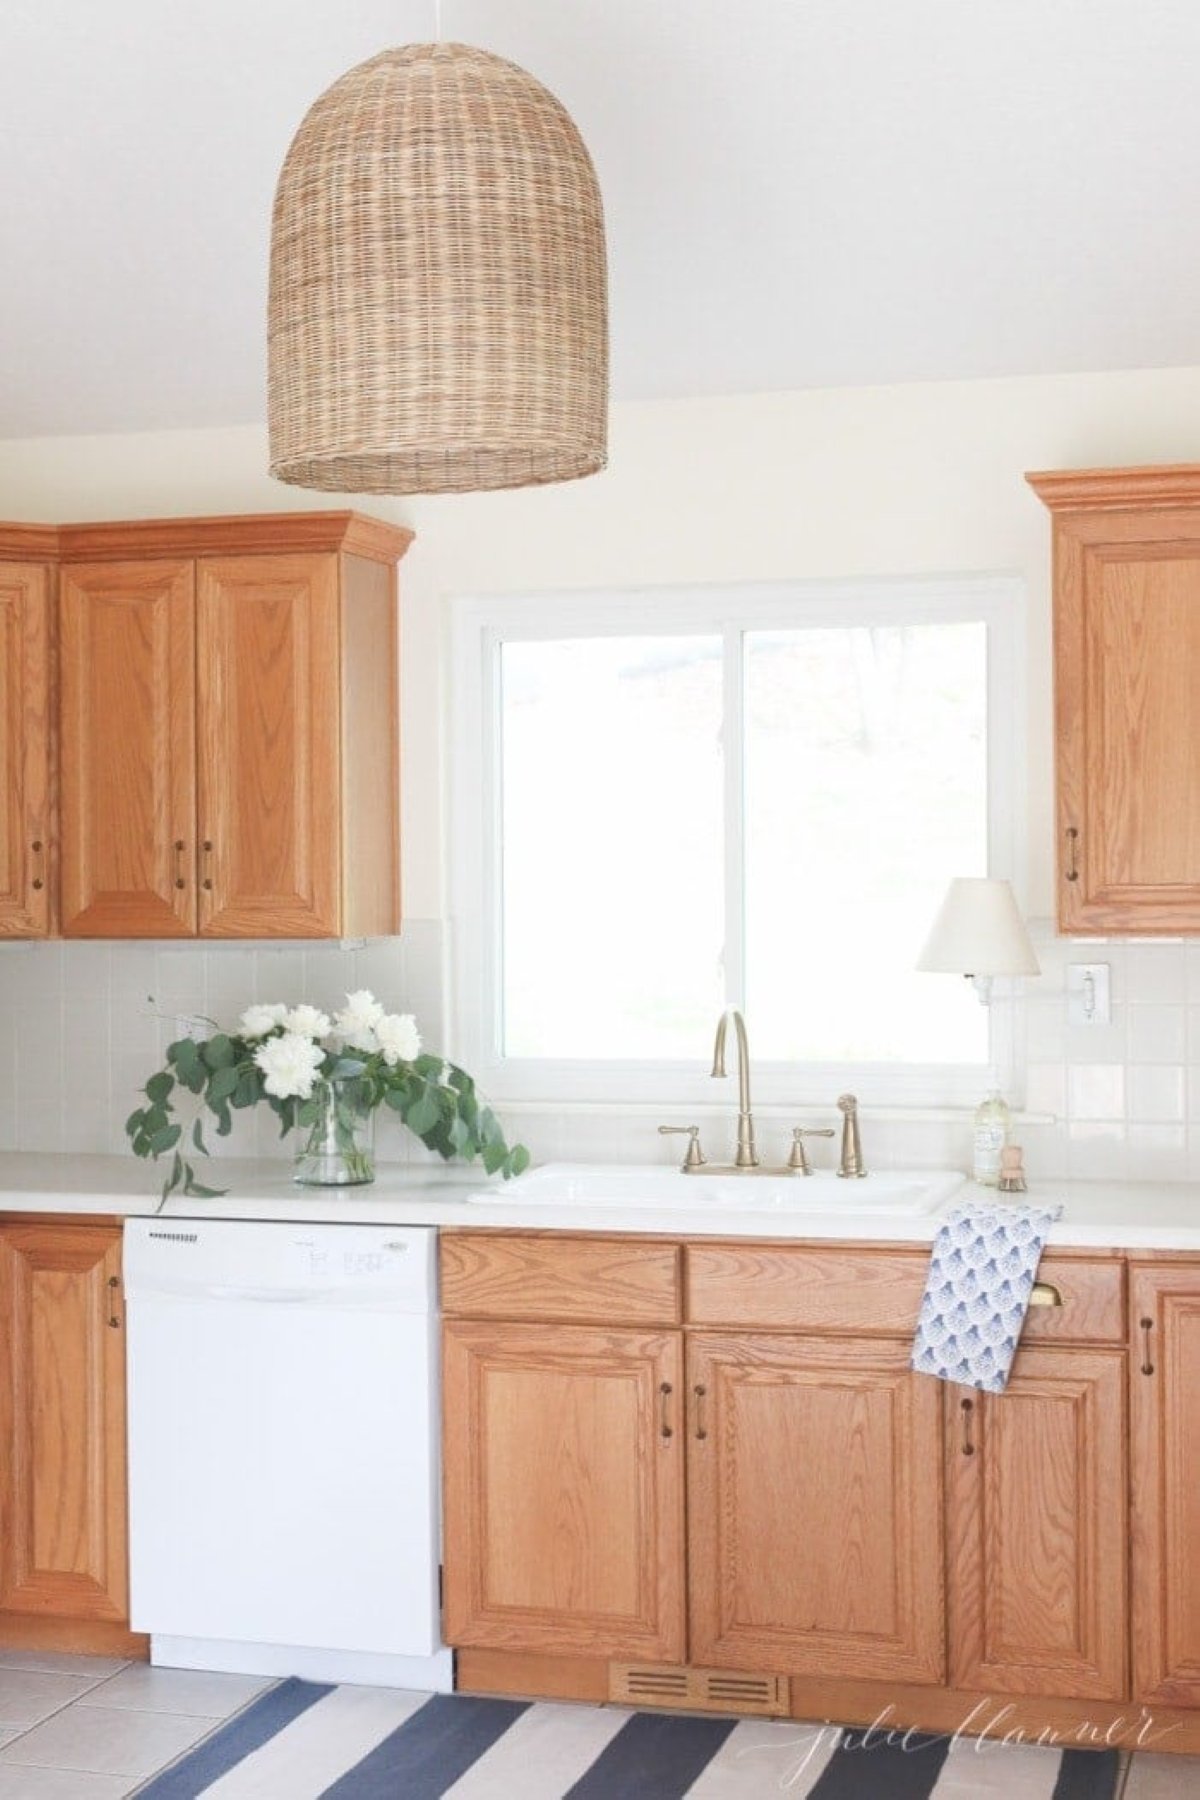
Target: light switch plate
1089, 994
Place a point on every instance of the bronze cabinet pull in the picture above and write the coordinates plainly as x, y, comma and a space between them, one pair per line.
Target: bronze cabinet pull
1147, 1326
179, 847
701, 1428
114, 1283
39, 850
1072, 843
665, 1429
206, 847
967, 1407
1044, 1293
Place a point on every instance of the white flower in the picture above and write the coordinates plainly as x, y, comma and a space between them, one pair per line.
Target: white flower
307, 1021
256, 1021
355, 1024
398, 1037
290, 1064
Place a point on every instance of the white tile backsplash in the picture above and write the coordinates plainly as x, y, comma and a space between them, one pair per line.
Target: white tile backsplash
83, 1025
1157, 1034
80, 1031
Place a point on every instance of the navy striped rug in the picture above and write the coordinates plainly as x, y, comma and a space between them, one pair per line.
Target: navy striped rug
305, 1741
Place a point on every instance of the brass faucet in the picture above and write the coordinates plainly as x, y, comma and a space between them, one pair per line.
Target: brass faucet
746, 1159
746, 1156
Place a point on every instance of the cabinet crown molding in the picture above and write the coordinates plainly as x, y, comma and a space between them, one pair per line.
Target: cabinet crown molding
27, 543
248, 534
1117, 490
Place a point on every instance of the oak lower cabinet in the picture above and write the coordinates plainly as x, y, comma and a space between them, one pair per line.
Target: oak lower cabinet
861, 1542
1165, 1468
563, 1489
1037, 1530
229, 724
1127, 697
63, 1531
814, 1507
25, 748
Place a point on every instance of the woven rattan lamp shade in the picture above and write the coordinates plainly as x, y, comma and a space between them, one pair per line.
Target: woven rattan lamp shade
438, 306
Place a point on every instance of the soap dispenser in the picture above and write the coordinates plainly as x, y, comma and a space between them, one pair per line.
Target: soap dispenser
992, 1119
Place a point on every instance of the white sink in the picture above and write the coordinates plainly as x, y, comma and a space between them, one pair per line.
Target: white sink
907, 1193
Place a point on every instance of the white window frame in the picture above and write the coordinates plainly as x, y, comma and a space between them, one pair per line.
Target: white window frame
479, 625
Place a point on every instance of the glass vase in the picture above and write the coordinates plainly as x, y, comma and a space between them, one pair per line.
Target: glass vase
339, 1150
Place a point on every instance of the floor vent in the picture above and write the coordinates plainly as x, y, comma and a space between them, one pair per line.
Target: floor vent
698, 1690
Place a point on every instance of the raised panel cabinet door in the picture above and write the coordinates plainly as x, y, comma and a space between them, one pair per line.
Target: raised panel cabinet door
62, 1423
1127, 697
1037, 1559
814, 1508
1135, 682
563, 1489
25, 727
127, 732
1165, 1482
268, 697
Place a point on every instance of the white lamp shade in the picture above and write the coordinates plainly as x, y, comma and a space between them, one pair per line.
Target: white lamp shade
979, 932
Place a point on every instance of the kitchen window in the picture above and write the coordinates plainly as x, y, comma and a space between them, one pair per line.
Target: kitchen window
667, 802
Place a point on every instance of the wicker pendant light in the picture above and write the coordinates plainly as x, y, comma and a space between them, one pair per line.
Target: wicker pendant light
438, 312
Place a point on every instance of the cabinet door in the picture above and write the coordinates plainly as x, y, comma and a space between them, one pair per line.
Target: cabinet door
62, 1423
127, 642
268, 681
1165, 1459
814, 1508
563, 1490
1127, 675
24, 749
1036, 1528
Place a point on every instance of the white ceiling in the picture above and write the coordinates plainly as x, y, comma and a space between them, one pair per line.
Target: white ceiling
799, 192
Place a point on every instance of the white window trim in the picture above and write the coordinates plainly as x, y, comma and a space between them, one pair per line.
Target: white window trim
478, 624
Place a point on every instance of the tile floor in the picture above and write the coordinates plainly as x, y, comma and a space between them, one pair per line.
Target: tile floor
94, 1728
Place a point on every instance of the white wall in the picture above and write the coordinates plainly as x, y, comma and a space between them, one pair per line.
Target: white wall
915, 479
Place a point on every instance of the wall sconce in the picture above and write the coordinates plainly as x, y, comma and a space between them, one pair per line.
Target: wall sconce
980, 934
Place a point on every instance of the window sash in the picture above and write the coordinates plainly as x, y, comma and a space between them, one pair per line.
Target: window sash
480, 625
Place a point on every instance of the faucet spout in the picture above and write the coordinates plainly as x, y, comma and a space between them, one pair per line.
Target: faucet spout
746, 1156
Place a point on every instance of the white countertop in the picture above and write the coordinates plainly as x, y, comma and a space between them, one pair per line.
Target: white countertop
1097, 1214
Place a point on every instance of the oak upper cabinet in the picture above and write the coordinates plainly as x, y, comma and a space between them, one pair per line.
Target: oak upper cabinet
814, 1507
128, 749
63, 1552
229, 728
268, 693
1165, 1458
563, 1489
25, 744
1127, 697
1036, 1528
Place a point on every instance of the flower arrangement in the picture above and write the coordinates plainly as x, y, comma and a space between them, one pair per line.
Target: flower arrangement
315, 1071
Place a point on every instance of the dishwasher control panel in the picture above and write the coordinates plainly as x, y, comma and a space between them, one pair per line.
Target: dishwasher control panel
356, 1264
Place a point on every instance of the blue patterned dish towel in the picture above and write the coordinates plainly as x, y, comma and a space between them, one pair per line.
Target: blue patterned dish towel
985, 1259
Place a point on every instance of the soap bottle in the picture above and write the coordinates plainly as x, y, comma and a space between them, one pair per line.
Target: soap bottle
991, 1134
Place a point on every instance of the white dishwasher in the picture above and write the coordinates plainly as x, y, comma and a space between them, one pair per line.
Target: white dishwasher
283, 1428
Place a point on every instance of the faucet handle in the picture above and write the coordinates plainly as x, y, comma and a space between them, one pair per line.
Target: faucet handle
694, 1156
798, 1160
